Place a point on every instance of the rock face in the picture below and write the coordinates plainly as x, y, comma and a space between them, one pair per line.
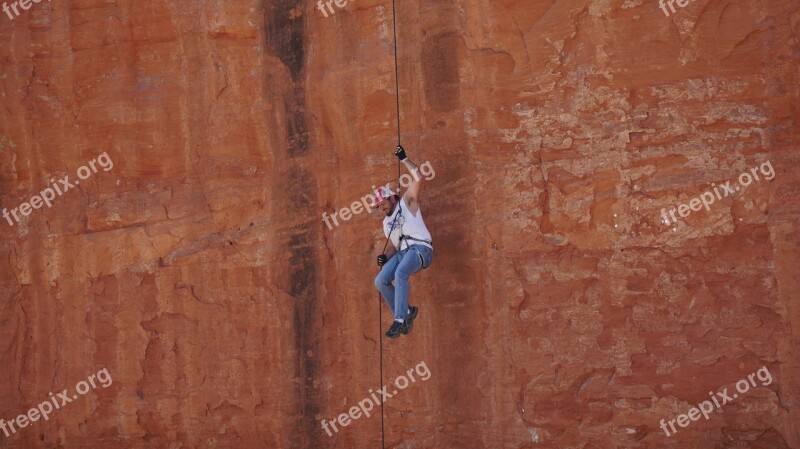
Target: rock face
572, 301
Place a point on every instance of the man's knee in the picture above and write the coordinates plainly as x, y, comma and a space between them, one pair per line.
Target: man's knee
403, 274
380, 282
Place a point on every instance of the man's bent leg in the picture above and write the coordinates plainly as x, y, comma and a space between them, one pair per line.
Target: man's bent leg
383, 282
407, 266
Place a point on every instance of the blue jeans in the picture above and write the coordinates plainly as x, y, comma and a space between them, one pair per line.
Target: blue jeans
398, 269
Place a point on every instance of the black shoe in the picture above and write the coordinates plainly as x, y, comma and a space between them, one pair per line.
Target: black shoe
410, 320
396, 329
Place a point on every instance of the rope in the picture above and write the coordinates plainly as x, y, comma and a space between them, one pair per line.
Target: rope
396, 81
380, 338
380, 308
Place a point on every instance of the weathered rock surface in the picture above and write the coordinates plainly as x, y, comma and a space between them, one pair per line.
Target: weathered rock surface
561, 310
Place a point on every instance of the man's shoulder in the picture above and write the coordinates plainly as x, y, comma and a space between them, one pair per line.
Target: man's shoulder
407, 203
407, 208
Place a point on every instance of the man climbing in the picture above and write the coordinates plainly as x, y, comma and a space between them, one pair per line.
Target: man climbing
409, 248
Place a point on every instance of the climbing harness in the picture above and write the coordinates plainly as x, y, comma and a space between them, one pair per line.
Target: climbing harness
405, 238
408, 237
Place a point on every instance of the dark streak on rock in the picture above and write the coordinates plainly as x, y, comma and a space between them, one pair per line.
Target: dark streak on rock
302, 280
285, 38
285, 33
440, 71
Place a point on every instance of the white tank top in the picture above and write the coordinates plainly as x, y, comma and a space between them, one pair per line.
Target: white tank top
406, 224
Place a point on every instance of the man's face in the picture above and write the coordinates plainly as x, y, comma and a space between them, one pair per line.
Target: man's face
387, 205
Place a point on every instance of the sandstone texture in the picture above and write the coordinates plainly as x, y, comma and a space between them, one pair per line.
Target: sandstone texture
563, 309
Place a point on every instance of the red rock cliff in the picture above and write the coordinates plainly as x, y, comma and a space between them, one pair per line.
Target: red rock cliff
564, 308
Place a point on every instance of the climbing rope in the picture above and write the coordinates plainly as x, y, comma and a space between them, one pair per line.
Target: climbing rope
380, 308
380, 338
396, 83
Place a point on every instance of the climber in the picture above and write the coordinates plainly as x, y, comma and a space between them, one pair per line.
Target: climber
409, 248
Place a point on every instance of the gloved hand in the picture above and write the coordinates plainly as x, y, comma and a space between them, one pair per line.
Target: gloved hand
400, 152
382, 260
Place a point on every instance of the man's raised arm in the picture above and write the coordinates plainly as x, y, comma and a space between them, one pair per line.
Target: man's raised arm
412, 193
